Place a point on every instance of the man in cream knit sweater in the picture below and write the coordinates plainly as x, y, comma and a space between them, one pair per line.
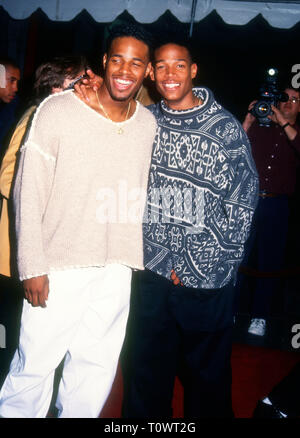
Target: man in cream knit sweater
79, 236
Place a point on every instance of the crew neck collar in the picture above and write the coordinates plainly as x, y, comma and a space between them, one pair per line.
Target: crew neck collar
202, 93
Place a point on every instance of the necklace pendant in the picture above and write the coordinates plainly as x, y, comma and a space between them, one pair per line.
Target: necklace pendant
119, 130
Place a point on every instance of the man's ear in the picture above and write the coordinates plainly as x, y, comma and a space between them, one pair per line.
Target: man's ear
194, 69
151, 73
56, 90
148, 69
104, 60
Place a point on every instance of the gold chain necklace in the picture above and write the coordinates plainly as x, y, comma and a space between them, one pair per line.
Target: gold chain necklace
120, 130
199, 101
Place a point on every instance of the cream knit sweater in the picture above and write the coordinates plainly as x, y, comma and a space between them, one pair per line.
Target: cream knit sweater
80, 188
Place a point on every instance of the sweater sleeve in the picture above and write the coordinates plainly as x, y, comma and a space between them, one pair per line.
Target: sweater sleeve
31, 192
242, 196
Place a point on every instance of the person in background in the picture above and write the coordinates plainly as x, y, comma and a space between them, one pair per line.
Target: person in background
9, 82
276, 152
51, 77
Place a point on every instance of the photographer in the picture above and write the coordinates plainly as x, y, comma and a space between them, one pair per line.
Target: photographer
276, 151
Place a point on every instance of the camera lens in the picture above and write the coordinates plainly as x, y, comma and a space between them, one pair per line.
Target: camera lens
262, 109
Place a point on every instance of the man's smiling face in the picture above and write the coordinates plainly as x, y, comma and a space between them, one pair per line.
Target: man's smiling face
173, 72
126, 65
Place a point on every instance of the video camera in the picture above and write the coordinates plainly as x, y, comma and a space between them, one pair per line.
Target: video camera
269, 95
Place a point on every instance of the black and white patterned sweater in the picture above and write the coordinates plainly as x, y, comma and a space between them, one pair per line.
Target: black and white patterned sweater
202, 192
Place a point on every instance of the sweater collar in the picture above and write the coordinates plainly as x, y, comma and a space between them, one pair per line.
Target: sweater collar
203, 93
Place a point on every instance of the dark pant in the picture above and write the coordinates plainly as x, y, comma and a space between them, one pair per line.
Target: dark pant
11, 302
269, 237
174, 330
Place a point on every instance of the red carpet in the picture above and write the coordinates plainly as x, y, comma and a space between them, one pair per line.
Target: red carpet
255, 370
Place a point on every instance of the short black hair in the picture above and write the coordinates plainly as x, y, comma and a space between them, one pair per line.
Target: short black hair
129, 30
175, 38
7, 61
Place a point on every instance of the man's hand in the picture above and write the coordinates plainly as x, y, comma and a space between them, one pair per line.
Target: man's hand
277, 117
175, 279
249, 119
36, 290
84, 87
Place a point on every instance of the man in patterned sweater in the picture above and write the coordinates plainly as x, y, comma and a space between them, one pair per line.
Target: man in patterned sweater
202, 192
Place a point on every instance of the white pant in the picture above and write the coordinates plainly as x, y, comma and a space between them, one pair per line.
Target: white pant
85, 321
